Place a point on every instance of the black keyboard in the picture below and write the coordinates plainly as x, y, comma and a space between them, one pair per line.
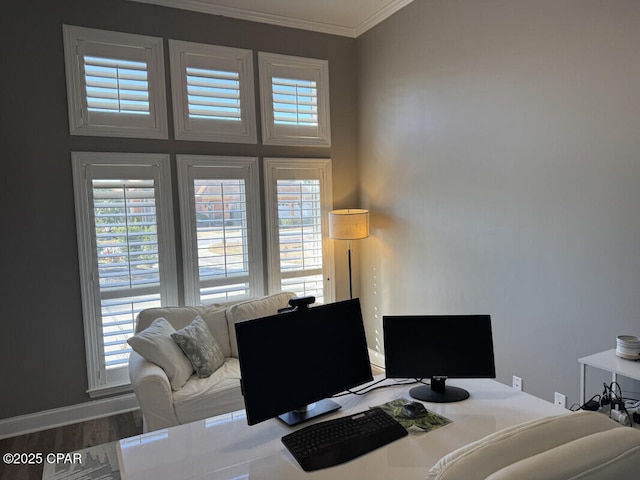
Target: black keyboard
333, 442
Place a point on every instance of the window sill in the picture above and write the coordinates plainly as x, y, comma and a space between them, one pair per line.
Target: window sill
110, 390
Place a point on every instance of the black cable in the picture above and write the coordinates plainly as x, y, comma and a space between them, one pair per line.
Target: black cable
619, 390
348, 392
368, 388
591, 402
371, 387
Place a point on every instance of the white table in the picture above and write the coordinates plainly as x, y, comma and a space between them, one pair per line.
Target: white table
610, 362
225, 447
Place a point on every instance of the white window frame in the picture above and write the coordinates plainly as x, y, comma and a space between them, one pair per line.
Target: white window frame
79, 41
185, 55
298, 168
284, 66
191, 167
87, 166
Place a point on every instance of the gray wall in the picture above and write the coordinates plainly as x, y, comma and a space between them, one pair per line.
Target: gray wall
42, 357
500, 158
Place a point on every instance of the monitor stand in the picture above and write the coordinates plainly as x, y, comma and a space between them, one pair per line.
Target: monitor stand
310, 411
438, 392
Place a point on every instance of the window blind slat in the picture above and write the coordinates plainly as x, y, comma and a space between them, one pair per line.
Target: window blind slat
215, 74
213, 85
214, 113
110, 62
214, 102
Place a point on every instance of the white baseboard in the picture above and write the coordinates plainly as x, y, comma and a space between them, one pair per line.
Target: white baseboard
376, 358
57, 417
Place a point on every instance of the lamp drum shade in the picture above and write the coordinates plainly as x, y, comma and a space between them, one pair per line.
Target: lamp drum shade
349, 224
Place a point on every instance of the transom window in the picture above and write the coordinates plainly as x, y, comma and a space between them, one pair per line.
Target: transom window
295, 100
115, 83
212, 87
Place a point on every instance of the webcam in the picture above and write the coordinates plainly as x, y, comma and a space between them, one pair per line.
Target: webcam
298, 303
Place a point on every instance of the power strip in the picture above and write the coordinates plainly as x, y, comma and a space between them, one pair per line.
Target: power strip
621, 417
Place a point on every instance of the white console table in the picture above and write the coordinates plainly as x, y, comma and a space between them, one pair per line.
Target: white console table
610, 362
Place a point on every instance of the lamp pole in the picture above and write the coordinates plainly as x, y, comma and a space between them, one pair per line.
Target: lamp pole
349, 256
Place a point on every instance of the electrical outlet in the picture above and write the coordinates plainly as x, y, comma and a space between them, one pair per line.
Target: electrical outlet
560, 399
517, 383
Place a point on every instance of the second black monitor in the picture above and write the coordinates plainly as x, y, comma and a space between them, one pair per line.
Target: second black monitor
438, 347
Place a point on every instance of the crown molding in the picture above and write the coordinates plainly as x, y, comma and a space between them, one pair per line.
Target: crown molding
203, 6
379, 16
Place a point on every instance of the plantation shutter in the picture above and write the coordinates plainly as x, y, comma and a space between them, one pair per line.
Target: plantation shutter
221, 229
298, 201
126, 253
116, 86
124, 211
221, 233
300, 237
115, 83
295, 102
212, 88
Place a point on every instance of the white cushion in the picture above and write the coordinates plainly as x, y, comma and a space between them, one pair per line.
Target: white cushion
155, 344
612, 454
262, 307
480, 459
206, 397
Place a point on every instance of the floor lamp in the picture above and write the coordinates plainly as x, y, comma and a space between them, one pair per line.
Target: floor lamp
349, 224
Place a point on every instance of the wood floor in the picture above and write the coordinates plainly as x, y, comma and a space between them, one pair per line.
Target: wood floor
66, 439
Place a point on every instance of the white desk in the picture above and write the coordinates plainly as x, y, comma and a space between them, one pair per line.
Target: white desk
610, 362
225, 447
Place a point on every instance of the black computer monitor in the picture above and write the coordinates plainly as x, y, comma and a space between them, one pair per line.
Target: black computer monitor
297, 358
438, 347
